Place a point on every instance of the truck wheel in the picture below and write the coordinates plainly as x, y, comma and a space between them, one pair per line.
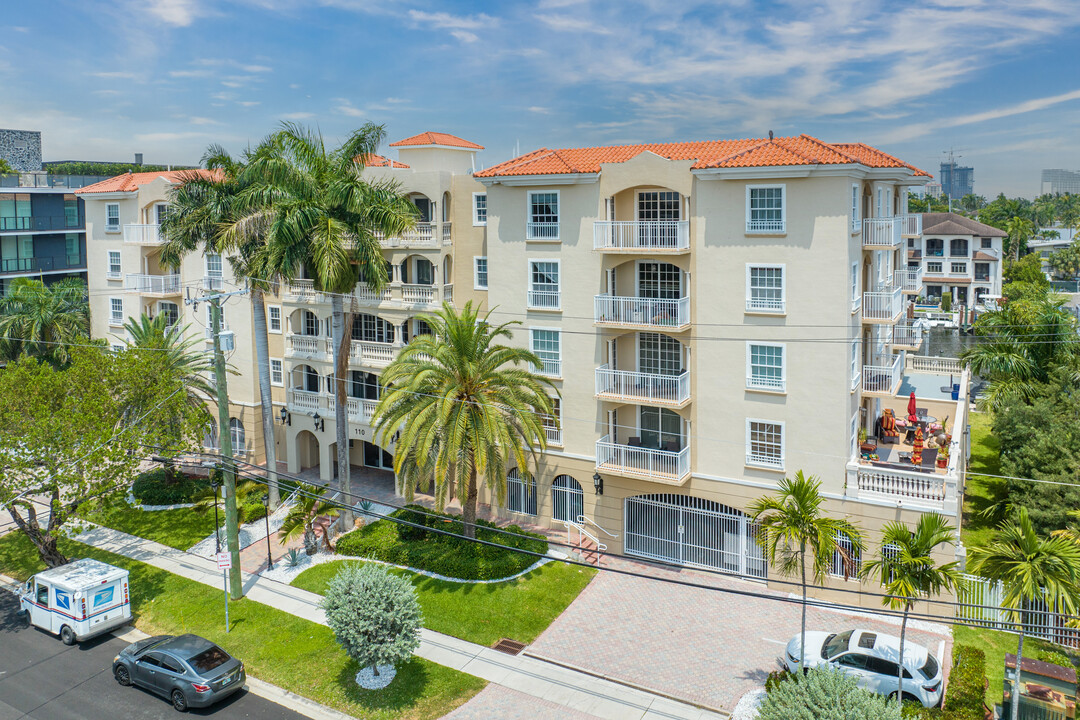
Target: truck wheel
179, 702
67, 635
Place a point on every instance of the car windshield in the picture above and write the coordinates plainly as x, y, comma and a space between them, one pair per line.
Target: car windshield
930, 669
209, 659
835, 643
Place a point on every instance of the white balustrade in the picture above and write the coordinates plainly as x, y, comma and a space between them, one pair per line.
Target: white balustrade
448, 292
670, 465
936, 365
883, 376
543, 300
651, 312
886, 305
554, 435
881, 232
365, 294
912, 484
423, 235
309, 345
446, 235
643, 387
372, 353
542, 231
551, 367
304, 400
649, 235
140, 234
418, 294
152, 284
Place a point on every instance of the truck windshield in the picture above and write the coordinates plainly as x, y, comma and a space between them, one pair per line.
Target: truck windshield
209, 659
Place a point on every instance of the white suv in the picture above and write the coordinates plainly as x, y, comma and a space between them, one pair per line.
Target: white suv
871, 658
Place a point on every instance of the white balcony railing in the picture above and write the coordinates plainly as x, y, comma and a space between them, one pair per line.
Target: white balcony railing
909, 279
937, 365
765, 304
554, 435
304, 400
895, 483
552, 367
366, 295
302, 289
543, 300
446, 234
911, 225
448, 293
307, 345
114, 275
907, 335
650, 312
765, 382
648, 235
764, 226
670, 465
881, 232
886, 305
542, 231
152, 284
372, 353
142, 234
418, 294
623, 385
423, 235
883, 376
358, 409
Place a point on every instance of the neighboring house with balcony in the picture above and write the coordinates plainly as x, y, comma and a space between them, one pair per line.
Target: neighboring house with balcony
127, 279
958, 255
42, 234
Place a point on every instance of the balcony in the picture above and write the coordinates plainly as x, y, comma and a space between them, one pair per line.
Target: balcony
910, 280
542, 231
881, 233
670, 466
307, 346
360, 410
550, 367
543, 300
907, 336
141, 234
305, 401
636, 312
421, 236
883, 307
378, 354
648, 236
154, 285
553, 435
911, 225
17, 266
366, 296
40, 223
446, 234
413, 294
638, 387
883, 376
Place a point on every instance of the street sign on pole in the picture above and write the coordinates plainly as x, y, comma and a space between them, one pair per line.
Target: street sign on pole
224, 562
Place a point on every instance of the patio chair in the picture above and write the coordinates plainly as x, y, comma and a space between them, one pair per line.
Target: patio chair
672, 446
929, 458
635, 441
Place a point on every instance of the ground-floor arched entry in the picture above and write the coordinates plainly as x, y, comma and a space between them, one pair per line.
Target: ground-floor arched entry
692, 531
307, 450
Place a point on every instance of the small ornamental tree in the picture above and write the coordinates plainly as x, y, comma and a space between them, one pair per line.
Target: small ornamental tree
374, 615
824, 694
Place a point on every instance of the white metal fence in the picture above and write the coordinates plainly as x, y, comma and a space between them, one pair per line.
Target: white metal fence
883, 305
979, 602
642, 234
643, 386
881, 232
653, 312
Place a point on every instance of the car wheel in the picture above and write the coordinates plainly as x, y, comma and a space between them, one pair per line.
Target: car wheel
179, 702
122, 675
67, 635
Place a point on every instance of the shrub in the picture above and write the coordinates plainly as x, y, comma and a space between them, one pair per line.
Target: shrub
775, 678
375, 616
967, 684
825, 694
446, 555
167, 486
946, 302
1056, 658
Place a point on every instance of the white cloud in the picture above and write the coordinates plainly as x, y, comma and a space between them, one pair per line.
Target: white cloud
190, 73
539, 110
232, 84
465, 36
567, 23
114, 75
256, 68
179, 13
248, 103
196, 120
445, 21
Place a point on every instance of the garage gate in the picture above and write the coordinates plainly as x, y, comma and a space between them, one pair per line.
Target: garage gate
691, 531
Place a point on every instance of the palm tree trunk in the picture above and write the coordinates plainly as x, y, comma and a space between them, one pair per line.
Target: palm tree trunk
900, 672
1015, 700
262, 360
468, 507
341, 408
802, 632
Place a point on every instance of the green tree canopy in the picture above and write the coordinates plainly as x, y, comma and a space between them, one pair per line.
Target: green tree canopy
42, 320
1066, 261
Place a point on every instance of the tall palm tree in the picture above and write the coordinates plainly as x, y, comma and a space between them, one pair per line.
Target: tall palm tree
906, 570
795, 524
319, 213
1031, 569
189, 364
43, 320
466, 406
1019, 230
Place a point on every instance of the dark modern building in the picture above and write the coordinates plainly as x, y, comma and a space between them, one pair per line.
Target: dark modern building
42, 234
956, 181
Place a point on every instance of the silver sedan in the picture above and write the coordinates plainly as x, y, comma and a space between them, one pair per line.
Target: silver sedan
189, 670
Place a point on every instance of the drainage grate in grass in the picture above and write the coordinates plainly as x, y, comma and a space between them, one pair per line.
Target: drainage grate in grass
508, 646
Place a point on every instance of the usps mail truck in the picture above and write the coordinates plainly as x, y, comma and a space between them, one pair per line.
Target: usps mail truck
79, 600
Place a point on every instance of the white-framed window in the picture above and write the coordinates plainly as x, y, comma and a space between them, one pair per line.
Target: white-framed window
880, 203
765, 443
112, 217
543, 293
765, 211
846, 560
520, 496
855, 434
277, 372
854, 207
765, 288
212, 280
987, 243
765, 366
479, 208
856, 298
114, 271
236, 434
546, 343
856, 373
117, 348
933, 267
552, 423
659, 354
958, 268
273, 318
480, 273
543, 219
116, 311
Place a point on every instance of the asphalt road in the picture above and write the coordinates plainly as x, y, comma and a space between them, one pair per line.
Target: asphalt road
43, 679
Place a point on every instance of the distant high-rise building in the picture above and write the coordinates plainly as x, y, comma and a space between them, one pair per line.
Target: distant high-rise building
1058, 182
22, 149
932, 189
956, 181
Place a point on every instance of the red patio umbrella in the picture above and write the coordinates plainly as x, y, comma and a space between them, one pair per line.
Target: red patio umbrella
911, 409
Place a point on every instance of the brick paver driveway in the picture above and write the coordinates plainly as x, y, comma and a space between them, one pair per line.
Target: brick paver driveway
697, 645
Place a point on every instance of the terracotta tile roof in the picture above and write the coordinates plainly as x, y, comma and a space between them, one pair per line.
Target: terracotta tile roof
980, 255
955, 224
759, 152
380, 161
437, 138
130, 182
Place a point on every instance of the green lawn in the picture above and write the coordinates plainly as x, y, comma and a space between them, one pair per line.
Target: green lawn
981, 492
519, 609
295, 654
179, 528
995, 644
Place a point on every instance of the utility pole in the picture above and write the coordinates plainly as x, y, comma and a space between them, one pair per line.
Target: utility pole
228, 470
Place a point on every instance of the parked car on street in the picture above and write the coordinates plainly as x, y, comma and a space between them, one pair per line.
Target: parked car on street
189, 670
872, 659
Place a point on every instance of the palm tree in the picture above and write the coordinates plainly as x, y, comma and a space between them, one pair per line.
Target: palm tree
189, 363
794, 524
1031, 569
309, 505
906, 570
1019, 230
44, 320
466, 407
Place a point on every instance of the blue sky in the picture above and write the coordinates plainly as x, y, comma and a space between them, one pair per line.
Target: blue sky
995, 80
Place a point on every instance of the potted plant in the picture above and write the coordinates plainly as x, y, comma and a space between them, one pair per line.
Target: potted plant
943, 456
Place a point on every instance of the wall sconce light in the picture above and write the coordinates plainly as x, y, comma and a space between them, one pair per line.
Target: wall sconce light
598, 483
286, 416
319, 422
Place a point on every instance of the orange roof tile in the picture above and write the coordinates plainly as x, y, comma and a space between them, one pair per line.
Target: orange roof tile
437, 138
750, 152
374, 160
130, 182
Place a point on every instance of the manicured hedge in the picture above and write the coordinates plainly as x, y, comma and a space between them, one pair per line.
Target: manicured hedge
446, 555
966, 691
167, 486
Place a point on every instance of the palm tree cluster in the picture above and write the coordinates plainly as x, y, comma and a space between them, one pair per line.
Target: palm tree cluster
44, 321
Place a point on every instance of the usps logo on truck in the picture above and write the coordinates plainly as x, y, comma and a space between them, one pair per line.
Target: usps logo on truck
104, 596
63, 599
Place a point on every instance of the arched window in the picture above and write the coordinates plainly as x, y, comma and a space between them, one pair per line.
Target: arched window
236, 434
308, 379
568, 502
958, 247
520, 496
935, 247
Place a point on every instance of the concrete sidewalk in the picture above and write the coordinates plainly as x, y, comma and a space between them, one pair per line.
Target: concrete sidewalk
578, 691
